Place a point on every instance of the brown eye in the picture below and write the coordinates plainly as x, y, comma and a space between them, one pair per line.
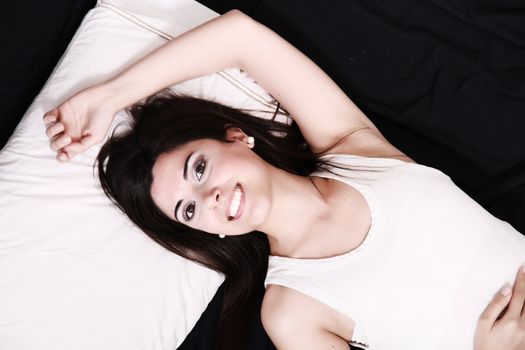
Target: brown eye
200, 166
189, 211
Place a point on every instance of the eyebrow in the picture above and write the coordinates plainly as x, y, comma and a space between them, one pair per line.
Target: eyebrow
185, 175
177, 208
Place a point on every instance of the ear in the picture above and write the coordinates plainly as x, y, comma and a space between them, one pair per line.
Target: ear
235, 134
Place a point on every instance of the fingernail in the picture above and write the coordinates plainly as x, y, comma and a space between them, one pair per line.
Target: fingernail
67, 139
505, 290
62, 157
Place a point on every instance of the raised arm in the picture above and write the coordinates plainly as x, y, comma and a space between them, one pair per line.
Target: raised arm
329, 120
208, 48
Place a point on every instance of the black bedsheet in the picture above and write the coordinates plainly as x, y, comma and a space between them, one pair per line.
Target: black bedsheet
34, 35
444, 80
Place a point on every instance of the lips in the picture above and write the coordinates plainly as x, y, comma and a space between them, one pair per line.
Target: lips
236, 206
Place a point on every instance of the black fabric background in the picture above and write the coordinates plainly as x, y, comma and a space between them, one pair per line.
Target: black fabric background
34, 34
444, 80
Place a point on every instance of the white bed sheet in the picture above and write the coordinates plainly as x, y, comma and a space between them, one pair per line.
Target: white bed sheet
75, 273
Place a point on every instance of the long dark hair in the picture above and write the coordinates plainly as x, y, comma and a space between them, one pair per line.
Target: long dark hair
164, 122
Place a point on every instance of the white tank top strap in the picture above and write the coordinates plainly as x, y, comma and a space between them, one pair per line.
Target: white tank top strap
375, 164
371, 162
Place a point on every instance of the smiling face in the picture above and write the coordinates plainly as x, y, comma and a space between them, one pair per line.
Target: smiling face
213, 186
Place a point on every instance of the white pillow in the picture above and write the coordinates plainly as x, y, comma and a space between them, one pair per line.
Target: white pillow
75, 273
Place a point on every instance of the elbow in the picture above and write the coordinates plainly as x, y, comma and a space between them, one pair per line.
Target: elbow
239, 17
236, 13
245, 30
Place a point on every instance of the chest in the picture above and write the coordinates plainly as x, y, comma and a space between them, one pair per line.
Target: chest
346, 225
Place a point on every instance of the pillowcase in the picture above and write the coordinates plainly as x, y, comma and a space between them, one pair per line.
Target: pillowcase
74, 271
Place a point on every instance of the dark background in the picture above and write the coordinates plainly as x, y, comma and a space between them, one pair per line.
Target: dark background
34, 34
444, 80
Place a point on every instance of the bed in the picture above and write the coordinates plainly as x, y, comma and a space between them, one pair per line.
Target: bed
445, 82
74, 272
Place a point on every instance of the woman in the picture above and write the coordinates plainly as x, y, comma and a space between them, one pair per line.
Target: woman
366, 246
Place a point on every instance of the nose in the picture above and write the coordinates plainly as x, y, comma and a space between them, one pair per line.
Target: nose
213, 198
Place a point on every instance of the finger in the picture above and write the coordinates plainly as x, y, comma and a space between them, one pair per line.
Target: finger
83, 144
518, 295
60, 141
50, 116
496, 306
54, 129
62, 156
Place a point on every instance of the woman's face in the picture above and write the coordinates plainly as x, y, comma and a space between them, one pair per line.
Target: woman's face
213, 186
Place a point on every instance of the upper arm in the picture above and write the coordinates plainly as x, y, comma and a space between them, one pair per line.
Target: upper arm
323, 112
292, 322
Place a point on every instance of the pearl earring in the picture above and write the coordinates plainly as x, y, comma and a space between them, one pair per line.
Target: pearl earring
251, 140
222, 235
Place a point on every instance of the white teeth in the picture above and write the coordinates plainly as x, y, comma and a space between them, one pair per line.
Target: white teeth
236, 202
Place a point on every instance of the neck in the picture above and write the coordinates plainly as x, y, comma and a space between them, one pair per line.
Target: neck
297, 204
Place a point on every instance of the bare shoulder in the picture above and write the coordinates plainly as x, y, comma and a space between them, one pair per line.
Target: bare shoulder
367, 142
286, 313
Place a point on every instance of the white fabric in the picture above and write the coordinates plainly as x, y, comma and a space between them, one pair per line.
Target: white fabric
429, 265
74, 272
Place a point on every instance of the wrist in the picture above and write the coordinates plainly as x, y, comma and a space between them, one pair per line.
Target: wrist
110, 97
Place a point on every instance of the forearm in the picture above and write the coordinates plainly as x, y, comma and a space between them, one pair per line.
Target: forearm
236, 40
211, 47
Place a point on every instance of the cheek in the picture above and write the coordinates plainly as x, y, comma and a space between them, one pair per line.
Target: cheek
260, 210
257, 208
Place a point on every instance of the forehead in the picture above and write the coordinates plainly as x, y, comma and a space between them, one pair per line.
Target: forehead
173, 161
167, 174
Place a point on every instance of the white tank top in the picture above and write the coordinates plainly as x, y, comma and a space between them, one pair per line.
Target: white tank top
429, 265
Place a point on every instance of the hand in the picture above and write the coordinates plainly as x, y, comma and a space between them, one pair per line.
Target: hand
502, 324
80, 122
